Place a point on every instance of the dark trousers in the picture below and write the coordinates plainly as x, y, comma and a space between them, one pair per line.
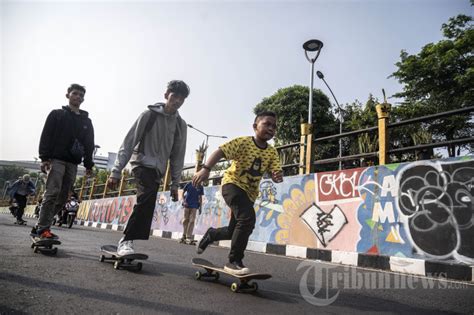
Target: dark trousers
21, 201
147, 184
59, 182
242, 221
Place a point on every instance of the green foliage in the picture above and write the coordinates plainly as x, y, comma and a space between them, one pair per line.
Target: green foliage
102, 176
438, 79
11, 174
357, 116
291, 106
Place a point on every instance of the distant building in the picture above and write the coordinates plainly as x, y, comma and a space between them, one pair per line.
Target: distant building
35, 166
105, 162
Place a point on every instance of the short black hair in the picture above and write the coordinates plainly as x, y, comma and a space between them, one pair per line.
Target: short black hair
76, 86
264, 114
179, 87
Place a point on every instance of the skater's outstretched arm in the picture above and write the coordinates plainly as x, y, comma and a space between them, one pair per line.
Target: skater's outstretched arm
203, 174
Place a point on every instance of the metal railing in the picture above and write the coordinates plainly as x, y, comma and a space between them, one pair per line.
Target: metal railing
90, 189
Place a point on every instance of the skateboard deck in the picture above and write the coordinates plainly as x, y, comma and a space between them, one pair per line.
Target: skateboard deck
44, 246
188, 242
212, 272
23, 223
121, 262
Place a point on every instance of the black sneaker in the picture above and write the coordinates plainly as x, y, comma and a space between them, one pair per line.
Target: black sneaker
204, 242
34, 232
236, 268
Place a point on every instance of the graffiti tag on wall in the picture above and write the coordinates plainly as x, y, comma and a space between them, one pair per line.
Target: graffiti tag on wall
324, 225
337, 186
436, 200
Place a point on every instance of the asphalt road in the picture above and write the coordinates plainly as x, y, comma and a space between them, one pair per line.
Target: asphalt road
75, 282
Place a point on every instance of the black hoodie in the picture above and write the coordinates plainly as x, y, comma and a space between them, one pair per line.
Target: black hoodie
60, 130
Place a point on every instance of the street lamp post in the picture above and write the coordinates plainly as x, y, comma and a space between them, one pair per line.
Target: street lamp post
321, 76
96, 147
207, 139
310, 46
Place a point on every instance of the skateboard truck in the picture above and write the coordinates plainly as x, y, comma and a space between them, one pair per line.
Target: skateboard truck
213, 272
121, 262
45, 246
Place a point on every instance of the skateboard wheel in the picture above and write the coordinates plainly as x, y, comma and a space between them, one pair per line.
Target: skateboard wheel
101, 258
216, 276
234, 287
198, 275
139, 266
254, 286
54, 251
117, 265
32, 245
35, 250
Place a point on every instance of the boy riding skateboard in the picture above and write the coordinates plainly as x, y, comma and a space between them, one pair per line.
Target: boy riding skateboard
251, 158
158, 135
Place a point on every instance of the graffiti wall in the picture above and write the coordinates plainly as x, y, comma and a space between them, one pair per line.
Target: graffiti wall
420, 209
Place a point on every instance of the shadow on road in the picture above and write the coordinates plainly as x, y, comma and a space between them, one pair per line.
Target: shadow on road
98, 295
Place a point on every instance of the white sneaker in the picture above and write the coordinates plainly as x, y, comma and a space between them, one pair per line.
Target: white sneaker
125, 248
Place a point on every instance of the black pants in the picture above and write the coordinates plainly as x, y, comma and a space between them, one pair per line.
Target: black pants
21, 201
241, 224
147, 184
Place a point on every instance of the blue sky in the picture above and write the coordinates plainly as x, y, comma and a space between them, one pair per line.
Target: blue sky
231, 53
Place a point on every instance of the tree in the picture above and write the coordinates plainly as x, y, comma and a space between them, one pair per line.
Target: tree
357, 116
291, 106
440, 78
10, 174
102, 176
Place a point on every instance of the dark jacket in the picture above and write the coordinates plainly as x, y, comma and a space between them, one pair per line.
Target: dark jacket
60, 130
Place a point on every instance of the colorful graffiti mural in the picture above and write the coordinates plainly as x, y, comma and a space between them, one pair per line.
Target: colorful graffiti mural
381, 229
110, 210
436, 201
410, 210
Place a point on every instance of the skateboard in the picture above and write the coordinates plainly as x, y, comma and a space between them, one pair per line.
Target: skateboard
125, 261
187, 242
44, 246
212, 272
22, 223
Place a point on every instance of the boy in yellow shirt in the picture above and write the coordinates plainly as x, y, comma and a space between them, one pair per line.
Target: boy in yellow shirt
251, 157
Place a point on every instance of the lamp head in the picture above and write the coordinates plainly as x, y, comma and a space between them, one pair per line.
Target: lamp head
320, 74
313, 45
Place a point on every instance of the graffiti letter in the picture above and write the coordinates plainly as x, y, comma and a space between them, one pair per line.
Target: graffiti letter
381, 215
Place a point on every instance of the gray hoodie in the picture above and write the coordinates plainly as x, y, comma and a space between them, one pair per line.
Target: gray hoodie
165, 140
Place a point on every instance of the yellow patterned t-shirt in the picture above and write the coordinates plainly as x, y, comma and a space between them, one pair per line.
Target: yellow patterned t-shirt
249, 163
